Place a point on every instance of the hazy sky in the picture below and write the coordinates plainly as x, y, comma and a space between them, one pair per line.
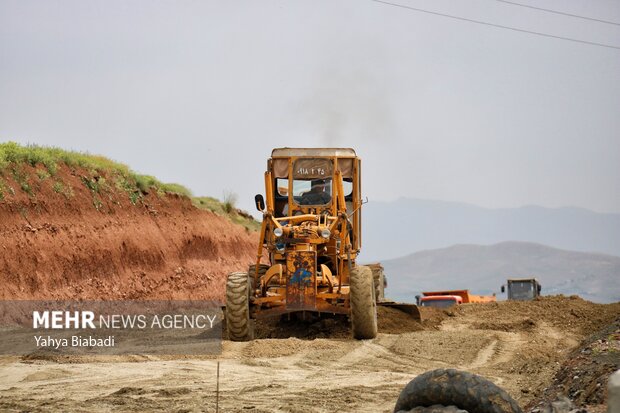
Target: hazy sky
198, 92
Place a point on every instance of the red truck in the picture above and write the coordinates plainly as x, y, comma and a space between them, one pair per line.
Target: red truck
452, 297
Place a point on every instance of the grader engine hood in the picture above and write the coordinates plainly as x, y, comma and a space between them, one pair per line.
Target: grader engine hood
301, 280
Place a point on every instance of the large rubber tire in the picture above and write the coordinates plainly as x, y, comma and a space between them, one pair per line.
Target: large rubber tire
363, 304
437, 409
450, 387
238, 323
262, 269
378, 279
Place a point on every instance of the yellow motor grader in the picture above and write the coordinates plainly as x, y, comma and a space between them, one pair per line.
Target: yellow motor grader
311, 237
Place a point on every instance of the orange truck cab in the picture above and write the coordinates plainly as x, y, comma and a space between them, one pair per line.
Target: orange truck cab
452, 297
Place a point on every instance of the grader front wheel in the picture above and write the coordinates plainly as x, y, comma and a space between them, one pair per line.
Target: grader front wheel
238, 321
363, 305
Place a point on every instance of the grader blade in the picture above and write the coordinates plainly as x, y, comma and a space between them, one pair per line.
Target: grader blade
407, 308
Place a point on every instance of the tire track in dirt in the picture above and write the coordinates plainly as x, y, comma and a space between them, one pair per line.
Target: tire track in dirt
484, 356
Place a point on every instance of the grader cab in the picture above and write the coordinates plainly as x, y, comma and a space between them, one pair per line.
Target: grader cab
309, 243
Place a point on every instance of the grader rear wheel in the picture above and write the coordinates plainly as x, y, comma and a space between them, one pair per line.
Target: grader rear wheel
262, 269
363, 304
238, 322
379, 281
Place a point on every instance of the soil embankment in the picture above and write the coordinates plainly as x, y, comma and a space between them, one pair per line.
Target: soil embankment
79, 235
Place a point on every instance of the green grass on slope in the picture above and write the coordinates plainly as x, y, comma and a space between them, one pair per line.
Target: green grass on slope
47, 161
227, 209
12, 155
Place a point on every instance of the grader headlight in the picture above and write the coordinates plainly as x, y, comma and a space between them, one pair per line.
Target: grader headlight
326, 233
278, 232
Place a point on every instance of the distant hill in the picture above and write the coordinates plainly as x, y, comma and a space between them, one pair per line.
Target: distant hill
482, 269
394, 229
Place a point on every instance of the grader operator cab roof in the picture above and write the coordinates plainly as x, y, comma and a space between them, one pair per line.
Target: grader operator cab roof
320, 152
312, 159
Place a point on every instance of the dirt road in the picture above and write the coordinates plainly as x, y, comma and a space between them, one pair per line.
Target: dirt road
520, 353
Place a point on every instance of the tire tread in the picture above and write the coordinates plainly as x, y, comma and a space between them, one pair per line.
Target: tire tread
450, 387
363, 305
238, 321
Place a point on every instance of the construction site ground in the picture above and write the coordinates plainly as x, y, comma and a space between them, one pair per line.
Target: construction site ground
317, 367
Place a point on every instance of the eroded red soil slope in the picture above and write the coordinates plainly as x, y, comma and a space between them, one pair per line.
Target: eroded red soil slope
71, 239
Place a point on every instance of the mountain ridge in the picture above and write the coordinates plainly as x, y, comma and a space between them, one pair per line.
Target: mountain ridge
483, 268
418, 224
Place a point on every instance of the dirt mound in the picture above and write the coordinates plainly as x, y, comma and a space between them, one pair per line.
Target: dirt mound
393, 321
270, 348
529, 339
78, 236
583, 375
433, 317
520, 325
572, 314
